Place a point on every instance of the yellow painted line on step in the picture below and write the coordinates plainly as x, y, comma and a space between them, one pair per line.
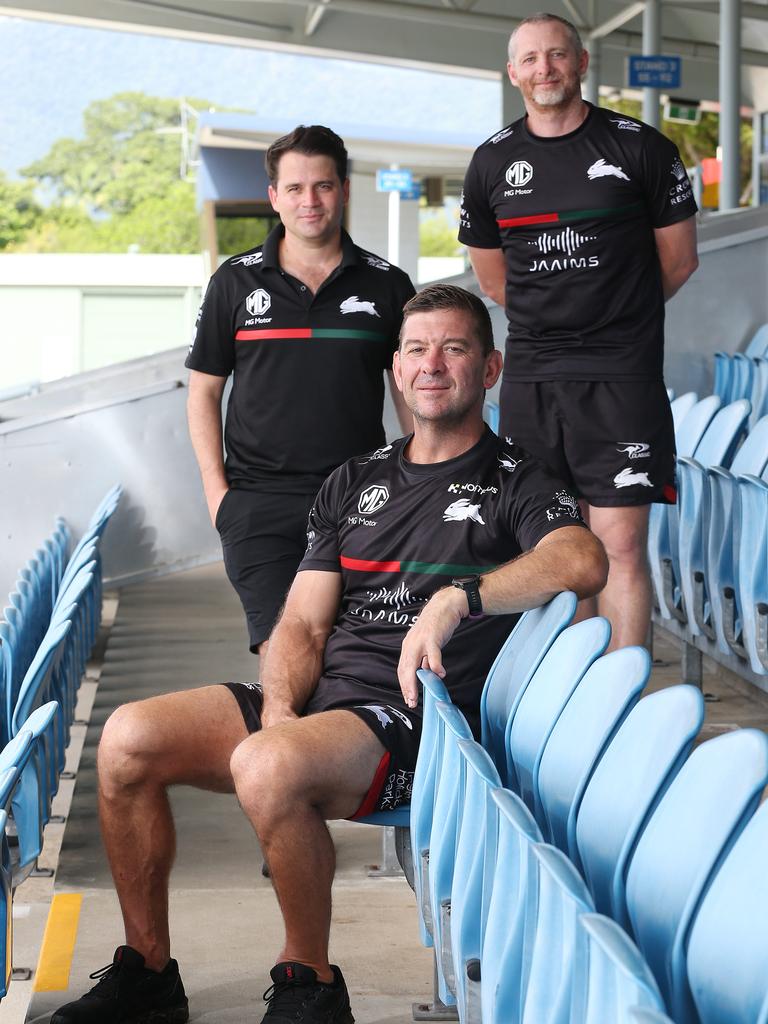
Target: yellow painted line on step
58, 943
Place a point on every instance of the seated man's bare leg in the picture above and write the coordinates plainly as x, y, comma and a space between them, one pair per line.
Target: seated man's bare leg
626, 598
289, 780
178, 738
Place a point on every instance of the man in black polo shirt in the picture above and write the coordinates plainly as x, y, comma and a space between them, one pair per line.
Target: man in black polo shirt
420, 553
307, 324
580, 222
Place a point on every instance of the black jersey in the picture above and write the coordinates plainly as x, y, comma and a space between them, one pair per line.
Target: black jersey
398, 532
308, 386
574, 216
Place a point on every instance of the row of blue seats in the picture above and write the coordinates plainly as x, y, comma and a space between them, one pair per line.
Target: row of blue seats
48, 632
709, 553
578, 820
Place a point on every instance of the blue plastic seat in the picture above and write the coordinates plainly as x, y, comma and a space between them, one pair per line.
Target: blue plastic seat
510, 925
681, 406
491, 415
558, 941
599, 704
443, 838
615, 977
716, 448
759, 394
518, 659
540, 706
28, 803
704, 810
723, 532
758, 344
638, 765
473, 870
746, 622
687, 437
6, 908
743, 368
724, 372
645, 1015
729, 938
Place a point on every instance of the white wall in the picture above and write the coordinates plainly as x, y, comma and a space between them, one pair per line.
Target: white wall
367, 222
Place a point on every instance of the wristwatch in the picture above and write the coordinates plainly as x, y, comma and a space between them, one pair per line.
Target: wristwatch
471, 587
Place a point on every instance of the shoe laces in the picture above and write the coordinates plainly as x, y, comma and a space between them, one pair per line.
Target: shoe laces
290, 994
106, 975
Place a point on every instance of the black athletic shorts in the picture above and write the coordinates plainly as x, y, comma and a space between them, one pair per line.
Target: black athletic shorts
263, 537
613, 441
399, 731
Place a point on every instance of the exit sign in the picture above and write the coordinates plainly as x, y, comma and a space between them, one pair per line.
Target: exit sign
682, 111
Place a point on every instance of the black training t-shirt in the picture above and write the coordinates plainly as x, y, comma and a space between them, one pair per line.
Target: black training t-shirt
308, 386
398, 532
574, 216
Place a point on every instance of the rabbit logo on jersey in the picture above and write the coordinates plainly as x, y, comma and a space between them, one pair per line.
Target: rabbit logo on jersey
463, 509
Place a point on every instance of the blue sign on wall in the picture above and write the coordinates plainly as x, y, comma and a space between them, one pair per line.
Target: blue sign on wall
656, 72
394, 181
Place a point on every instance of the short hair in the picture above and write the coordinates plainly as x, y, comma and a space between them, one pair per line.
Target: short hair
312, 140
450, 296
536, 19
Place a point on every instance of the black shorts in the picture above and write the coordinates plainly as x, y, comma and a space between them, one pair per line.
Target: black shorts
613, 441
398, 730
263, 538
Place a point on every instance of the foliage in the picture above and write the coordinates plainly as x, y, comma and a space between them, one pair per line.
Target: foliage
437, 233
19, 212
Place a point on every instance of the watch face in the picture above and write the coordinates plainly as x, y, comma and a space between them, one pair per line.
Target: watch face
462, 581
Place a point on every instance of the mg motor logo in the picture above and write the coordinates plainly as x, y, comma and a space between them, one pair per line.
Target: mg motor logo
372, 499
519, 173
258, 302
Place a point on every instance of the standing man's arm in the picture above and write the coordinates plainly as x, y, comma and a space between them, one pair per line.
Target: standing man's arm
676, 246
294, 659
570, 558
488, 265
204, 417
404, 415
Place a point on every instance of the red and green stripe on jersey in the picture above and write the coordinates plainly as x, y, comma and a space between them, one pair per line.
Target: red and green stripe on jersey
601, 213
427, 568
307, 334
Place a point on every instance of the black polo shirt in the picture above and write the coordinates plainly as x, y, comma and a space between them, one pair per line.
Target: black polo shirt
574, 216
308, 386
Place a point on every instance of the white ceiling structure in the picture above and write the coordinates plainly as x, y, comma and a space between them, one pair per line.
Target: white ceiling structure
467, 35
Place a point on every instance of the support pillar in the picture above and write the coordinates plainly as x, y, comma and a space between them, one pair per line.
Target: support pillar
651, 47
730, 101
592, 83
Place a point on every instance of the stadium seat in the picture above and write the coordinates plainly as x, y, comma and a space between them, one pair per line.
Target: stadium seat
681, 406
687, 436
615, 977
562, 898
543, 700
601, 701
473, 871
704, 810
491, 415
716, 448
518, 659
28, 804
759, 394
446, 823
758, 345
749, 632
6, 905
723, 530
645, 1015
508, 939
729, 938
637, 767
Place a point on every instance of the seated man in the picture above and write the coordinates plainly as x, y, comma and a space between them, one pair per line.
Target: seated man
333, 729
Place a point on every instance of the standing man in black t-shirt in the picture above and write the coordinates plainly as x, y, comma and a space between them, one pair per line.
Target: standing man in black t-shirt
580, 222
307, 324
420, 553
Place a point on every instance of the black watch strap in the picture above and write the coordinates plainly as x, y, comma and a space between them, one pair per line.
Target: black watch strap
471, 587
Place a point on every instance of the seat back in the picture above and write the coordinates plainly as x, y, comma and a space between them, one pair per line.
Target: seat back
599, 704
646, 1015
681, 406
475, 857
694, 424
635, 770
6, 914
562, 898
511, 672
534, 717
718, 443
751, 534
702, 813
511, 922
726, 952
615, 977
758, 345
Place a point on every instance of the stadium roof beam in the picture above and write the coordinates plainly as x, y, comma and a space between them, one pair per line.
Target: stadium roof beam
616, 22
315, 16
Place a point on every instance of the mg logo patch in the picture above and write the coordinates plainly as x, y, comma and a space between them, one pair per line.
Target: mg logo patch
372, 499
519, 173
258, 302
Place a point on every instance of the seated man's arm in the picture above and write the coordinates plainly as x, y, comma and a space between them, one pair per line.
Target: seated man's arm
490, 271
294, 659
570, 558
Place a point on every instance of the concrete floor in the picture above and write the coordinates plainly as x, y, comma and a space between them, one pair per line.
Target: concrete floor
174, 633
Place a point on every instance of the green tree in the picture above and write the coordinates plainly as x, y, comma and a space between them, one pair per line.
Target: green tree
19, 212
437, 233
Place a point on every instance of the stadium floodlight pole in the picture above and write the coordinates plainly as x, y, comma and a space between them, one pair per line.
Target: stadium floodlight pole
730, 102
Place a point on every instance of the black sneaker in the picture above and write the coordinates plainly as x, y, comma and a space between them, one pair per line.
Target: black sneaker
297, 995
129, 993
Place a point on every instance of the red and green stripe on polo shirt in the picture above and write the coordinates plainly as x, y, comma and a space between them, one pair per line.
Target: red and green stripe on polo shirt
427, 568
307, 334
563, 217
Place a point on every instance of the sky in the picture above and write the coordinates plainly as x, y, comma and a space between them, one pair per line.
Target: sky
50, 72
